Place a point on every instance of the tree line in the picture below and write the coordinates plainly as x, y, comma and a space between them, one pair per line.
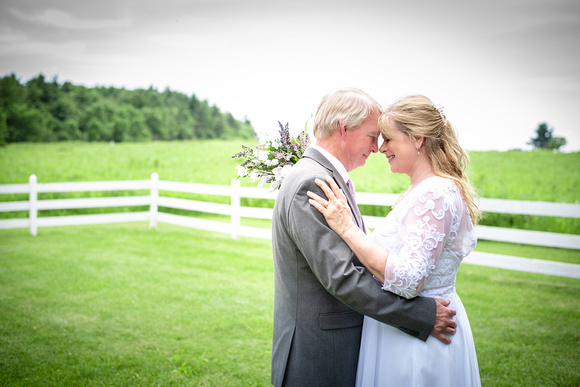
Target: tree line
48, 111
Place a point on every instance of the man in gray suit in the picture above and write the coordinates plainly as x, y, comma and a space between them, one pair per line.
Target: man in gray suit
321, 288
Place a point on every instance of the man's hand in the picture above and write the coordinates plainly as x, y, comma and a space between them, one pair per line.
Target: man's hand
443, 323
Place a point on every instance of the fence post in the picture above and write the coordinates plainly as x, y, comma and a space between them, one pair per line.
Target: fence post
33, 199
153, 206
236, 208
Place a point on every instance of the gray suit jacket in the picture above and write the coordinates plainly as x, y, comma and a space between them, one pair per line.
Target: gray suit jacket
322, 290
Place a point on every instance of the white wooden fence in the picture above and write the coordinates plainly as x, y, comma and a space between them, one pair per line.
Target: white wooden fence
235, 211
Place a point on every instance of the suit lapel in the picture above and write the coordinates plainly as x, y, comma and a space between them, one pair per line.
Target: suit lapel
320, 159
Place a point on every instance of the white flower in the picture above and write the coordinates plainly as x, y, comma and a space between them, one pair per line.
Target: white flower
262, 182
263, 156
254, 175
281, 172
286, 170
275, 185
265, 179
241, 170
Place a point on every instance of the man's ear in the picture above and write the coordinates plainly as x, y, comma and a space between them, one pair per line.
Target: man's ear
341, 128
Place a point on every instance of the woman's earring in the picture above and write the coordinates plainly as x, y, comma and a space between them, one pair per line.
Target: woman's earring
418, 152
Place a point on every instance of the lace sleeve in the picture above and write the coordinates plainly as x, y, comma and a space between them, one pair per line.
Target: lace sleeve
424, 225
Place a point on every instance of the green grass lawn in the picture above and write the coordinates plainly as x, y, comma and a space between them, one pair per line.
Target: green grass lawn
124, 305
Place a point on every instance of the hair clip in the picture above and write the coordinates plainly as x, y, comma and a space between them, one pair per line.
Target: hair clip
440, 110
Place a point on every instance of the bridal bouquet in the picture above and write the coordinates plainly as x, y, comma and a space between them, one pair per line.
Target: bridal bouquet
271, 161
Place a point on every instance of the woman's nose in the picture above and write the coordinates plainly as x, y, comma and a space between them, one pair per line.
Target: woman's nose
383, 147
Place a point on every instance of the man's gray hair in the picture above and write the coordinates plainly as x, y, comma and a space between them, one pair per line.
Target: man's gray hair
350, 105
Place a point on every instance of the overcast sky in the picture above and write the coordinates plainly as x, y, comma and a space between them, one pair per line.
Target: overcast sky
498, 67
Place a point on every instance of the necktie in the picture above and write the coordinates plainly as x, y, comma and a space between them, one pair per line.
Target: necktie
350, 186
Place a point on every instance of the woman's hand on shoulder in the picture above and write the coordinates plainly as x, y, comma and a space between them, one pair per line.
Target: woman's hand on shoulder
335, 210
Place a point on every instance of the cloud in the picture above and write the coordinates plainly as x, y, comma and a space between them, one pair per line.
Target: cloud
64, 20
498, 67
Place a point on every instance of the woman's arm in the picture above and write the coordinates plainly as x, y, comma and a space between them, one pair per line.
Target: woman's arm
422, 232
426, 218
339, 218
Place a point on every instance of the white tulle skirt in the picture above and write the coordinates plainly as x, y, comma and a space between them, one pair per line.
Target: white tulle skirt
389, 357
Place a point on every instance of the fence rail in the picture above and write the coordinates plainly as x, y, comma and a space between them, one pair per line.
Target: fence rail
235, 210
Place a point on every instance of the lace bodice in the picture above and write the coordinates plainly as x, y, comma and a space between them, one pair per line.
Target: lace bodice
427, 235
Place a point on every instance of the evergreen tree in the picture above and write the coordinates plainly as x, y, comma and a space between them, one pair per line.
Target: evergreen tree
3, 128
41, 110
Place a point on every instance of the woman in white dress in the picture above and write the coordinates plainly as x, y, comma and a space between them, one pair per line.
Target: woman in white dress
417, 250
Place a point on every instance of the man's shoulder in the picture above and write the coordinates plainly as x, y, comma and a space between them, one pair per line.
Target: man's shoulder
305, 169
301, 177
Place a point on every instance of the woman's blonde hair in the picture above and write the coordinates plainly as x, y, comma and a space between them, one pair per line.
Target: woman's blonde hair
416, 116
352, 106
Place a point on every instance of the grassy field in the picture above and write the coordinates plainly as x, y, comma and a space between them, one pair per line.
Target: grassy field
123, 305
206, 162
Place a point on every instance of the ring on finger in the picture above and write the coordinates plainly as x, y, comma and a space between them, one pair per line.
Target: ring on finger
325, 204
